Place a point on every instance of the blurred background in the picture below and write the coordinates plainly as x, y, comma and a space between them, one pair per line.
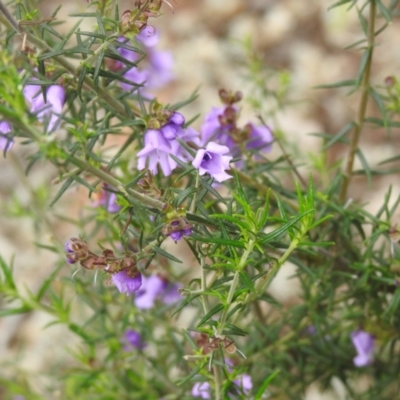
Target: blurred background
260, 47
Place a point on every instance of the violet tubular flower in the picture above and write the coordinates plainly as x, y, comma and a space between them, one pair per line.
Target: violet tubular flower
50, 110
201, 389
126, 283
158, 70
154, 288
106, 199
213, 130
260, 138
156, 151
364, 345
132, 340
6, 142
244, 382
213, 161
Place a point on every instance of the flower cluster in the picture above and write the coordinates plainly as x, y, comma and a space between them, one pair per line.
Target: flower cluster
220, 125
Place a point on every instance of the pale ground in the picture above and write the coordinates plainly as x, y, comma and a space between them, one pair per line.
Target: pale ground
205, 37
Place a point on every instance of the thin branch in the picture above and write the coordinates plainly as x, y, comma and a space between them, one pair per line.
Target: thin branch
363, 105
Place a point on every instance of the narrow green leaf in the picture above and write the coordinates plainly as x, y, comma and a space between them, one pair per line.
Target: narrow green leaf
247, 281
63, 188
14, 311
384, 11
97, 69
272, 235
230, 218
348, 82
79, 331
166, 254
7, 271
225, 242
264, 215
364, 163
379, 102
234, 330
267, 381
212, 312
338, 136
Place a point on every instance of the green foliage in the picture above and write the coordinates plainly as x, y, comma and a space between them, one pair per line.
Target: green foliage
265, 219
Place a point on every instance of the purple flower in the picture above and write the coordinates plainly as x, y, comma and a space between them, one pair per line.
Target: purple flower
213, 130
154, 288
201, 389
173, 127
159, 144
132, 339
364, 344
156, 151
158, 69
148, 36
105, 198
212, 161
244, 382
49, 111
260, 138
180, 230
171, 294
125, 283
6, 142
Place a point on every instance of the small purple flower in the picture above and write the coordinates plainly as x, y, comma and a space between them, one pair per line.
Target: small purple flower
160, 143
212, 161
213, 130
156, 151
112, 206
173, 127
6, 142
148, 36
364, 344
132, 339
154, 288
178, 234
158, 70
260, 138
125, 283
49, 111
105, 198
171, 294
201, 389
244, 382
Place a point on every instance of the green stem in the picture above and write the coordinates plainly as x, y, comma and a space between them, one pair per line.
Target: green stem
204, 297
235, 281
264, 282
363, 104
194, 200
104, 176
218, 381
